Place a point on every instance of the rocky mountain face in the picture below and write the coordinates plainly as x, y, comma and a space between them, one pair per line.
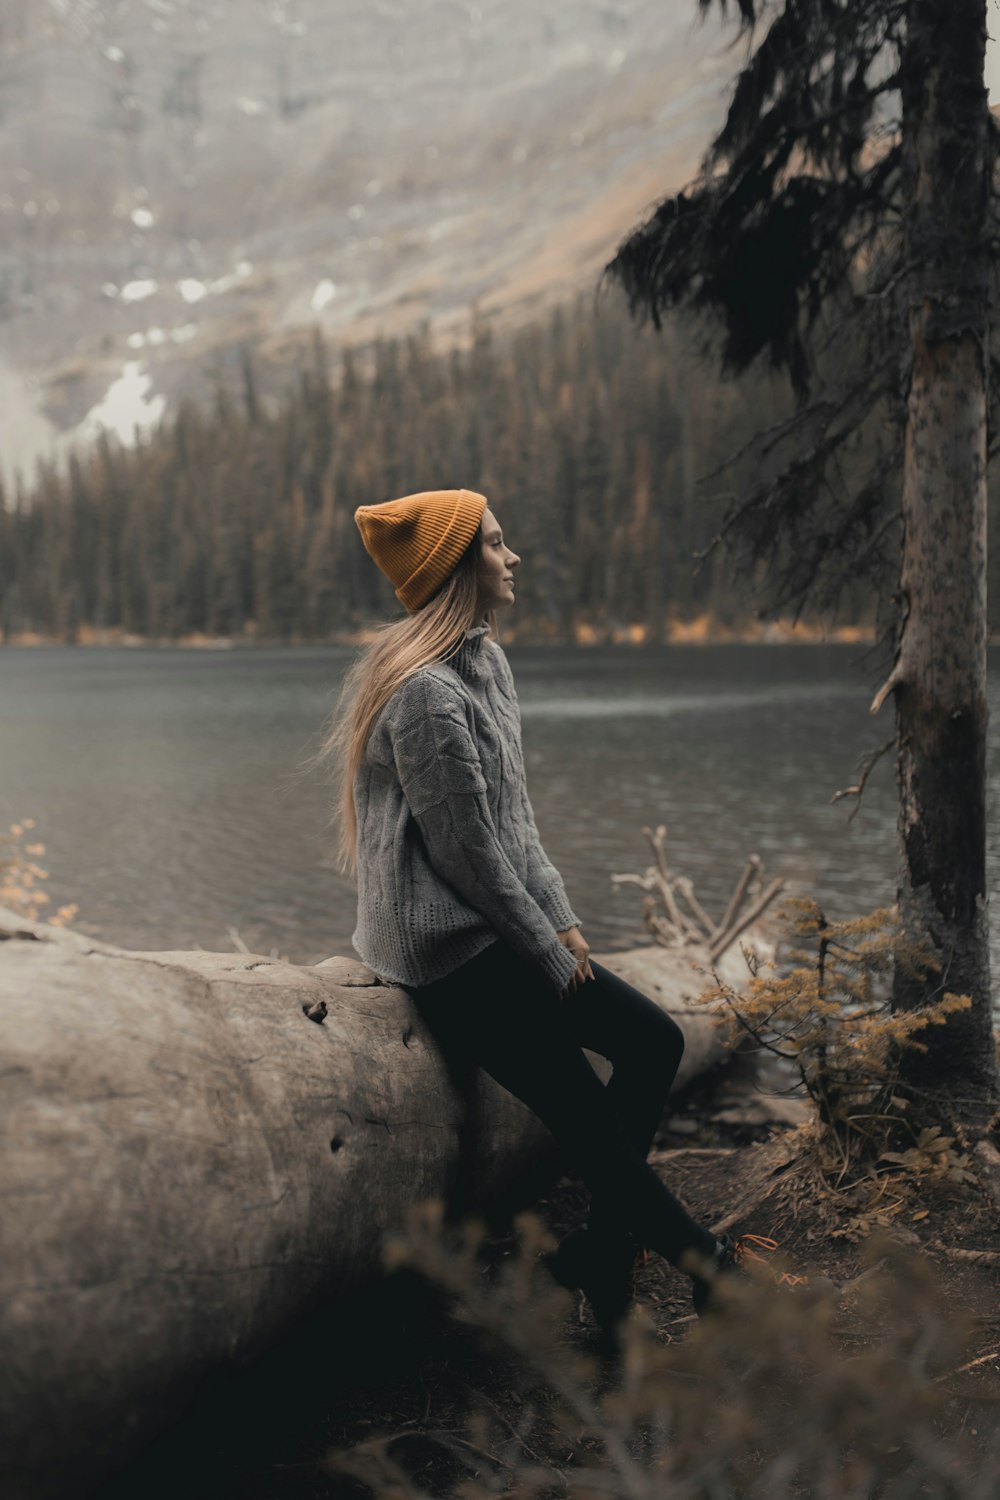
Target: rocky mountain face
182, 177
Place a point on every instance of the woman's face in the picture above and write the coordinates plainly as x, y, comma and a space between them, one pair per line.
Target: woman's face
496, 565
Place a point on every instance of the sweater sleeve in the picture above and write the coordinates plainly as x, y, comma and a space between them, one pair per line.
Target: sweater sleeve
442, 779
543, 879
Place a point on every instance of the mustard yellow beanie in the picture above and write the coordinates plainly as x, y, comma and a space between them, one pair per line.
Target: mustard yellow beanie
417, 540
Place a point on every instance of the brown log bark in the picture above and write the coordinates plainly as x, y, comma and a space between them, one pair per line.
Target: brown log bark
190, 1163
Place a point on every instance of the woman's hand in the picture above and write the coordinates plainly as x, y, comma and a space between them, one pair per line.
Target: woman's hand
573, 939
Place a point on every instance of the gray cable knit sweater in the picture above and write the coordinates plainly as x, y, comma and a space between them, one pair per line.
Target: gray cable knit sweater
449, 857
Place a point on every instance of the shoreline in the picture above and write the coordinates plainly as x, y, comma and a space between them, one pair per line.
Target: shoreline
698, 632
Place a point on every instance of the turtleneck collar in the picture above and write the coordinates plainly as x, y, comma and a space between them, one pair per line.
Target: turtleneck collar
468, 659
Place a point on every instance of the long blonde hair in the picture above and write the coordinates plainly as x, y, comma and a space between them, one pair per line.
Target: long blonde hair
399, 648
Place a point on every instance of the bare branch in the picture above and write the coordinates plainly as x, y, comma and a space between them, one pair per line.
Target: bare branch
686, 888
726, 937
753, 864
663, 880
892, 681
866, 765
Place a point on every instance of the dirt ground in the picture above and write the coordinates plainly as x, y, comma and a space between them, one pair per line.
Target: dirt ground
394, 1362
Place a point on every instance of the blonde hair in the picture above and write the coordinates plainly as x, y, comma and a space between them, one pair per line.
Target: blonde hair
400, 648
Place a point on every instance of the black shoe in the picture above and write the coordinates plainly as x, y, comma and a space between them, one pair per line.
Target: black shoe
569, 1263
724, 1260
603, 1270
728, 1258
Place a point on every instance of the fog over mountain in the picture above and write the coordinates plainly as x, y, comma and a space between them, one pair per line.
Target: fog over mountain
179, 177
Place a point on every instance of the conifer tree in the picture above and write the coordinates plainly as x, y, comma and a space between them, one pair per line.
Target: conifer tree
841, 226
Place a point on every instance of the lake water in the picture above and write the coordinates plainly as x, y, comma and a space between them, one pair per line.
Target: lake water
165, 783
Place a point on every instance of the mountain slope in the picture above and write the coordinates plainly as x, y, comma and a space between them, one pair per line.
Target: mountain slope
187, 175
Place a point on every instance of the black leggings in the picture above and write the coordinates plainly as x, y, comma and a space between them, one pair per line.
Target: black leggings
500, 1012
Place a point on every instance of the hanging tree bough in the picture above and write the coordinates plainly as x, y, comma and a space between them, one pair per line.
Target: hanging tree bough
198, 1148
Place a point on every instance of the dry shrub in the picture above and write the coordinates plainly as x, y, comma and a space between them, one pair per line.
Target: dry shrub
20, 875
826, 1009
776, 1395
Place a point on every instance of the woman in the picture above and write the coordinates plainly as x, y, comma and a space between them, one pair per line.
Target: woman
458, 903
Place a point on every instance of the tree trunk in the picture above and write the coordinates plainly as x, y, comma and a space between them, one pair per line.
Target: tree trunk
940, 674
191, 1164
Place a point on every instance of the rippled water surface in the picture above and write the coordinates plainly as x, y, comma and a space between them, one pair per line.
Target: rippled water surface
164, 783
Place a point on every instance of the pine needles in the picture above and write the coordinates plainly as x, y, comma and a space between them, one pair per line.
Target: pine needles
830, 1016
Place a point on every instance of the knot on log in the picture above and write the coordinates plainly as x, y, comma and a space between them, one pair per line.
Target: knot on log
316, 1012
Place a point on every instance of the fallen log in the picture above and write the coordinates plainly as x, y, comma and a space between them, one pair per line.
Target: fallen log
199, 1147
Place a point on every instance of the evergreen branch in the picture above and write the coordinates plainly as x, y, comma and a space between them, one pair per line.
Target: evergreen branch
757, 1035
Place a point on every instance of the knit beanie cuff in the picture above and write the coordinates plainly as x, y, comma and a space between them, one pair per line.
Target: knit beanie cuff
418, 540
444, 556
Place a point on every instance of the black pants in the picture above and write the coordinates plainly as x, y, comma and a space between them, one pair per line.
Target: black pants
500, 1012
